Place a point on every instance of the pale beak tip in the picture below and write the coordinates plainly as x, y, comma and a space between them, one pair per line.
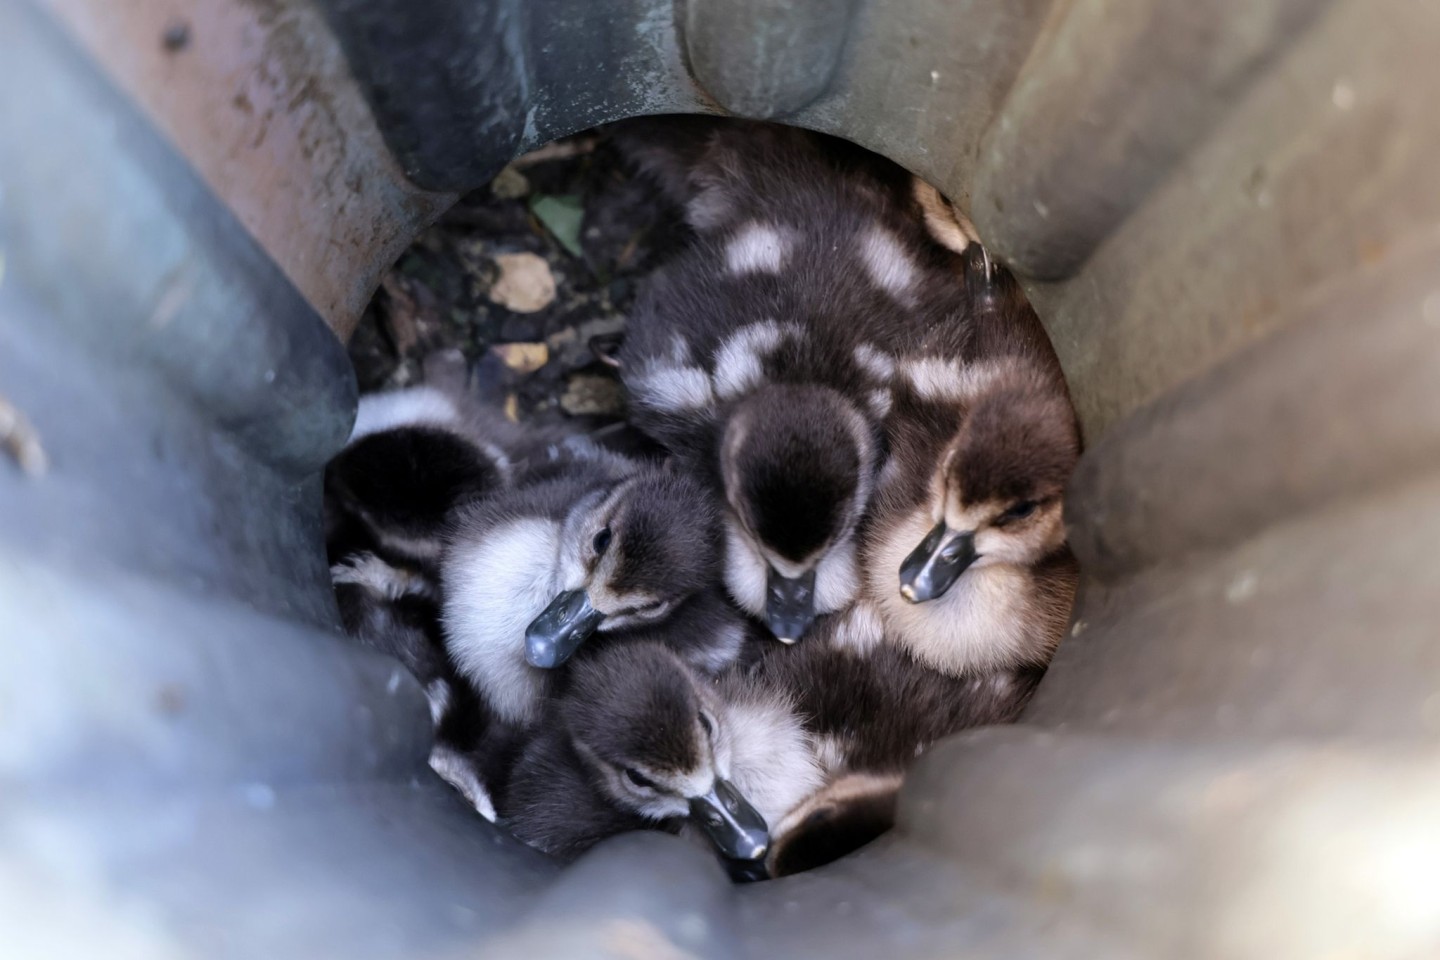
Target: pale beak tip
908, 592
788, 641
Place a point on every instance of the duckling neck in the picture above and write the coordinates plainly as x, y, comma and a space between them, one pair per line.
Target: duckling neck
772, 757
494, 587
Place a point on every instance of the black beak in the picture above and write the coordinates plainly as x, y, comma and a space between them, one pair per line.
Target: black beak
789, 605
736, 828
558, 632
935, 565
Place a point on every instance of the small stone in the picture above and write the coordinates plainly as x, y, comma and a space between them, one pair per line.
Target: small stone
510, 184
587, 394
522, 357
525, 284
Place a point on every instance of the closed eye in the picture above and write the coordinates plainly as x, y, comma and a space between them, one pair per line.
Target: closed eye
1016, 512
640, 780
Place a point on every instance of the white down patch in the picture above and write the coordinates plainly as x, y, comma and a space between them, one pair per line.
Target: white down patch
740, 361
417, 406
493, 589
674, 389
937, 378
757, 248
772, 759
746, 571
859, 629
887, 263
877, 363
837, 577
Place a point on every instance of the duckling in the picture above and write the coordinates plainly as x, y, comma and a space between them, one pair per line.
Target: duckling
602, 547
412, 455
870, 708
396, 612
872, 705
968, 512
762, 354
638, 741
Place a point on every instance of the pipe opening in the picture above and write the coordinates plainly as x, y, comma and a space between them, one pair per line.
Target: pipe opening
769, 332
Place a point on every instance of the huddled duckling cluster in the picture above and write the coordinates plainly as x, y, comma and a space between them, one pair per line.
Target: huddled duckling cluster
868, 441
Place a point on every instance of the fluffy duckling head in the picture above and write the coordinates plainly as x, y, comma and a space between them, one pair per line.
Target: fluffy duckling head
653, 739
797, 464
628, 555
997, 497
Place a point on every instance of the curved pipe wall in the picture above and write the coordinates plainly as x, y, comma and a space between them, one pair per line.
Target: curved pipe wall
1226, 215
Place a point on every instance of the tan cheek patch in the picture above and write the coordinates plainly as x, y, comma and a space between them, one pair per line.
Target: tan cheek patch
597, 584
962, 517
946, 224
1024, 540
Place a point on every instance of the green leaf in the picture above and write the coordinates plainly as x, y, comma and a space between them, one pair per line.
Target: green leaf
561, 216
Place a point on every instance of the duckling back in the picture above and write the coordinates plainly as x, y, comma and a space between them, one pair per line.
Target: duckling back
413, 455
872, 706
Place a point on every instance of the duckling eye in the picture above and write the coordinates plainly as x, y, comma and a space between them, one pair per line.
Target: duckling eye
601, 542
708, 727
1019, 511
639, 779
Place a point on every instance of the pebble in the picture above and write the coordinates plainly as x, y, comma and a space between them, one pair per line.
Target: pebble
522, 357
525, 284
510, 184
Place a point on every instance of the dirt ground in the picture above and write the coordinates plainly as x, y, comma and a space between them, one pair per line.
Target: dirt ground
521, 276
